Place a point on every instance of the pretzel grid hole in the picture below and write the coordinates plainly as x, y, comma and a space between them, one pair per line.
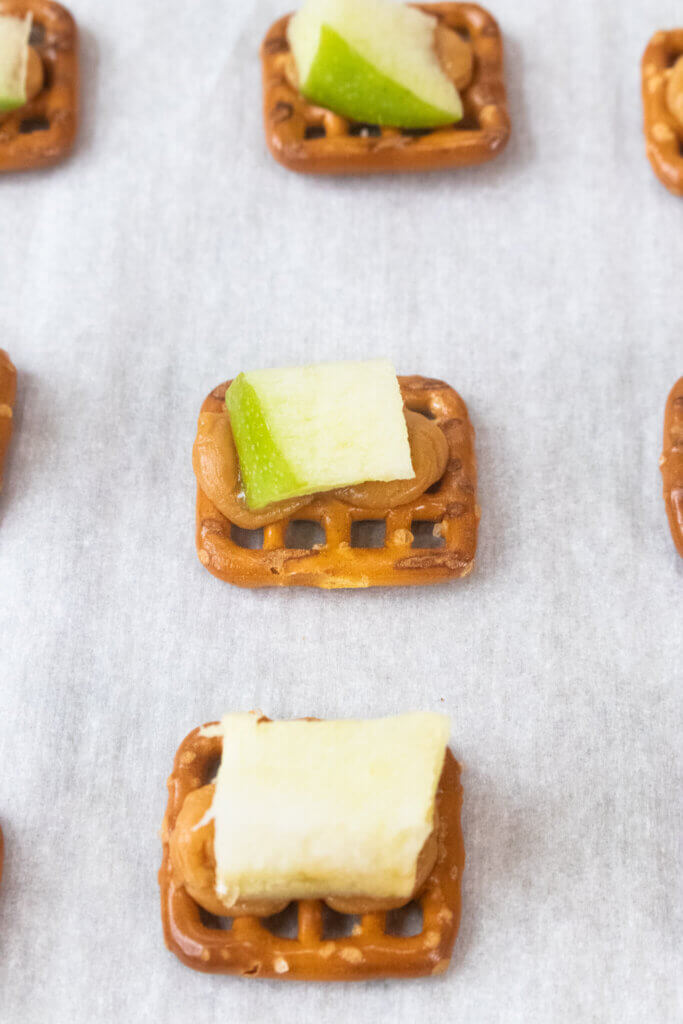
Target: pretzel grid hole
305, 533
339, 926
365, 131
303, 920
216, 924
405, 921
426, 534
34, 124
368, 533
250, 539
285, 924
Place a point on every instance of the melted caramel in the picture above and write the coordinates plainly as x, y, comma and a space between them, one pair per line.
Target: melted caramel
35, 74
455, 56
216, 466
429, 452
194, 863
215, 463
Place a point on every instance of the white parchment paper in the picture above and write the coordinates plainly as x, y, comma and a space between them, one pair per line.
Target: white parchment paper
171, 252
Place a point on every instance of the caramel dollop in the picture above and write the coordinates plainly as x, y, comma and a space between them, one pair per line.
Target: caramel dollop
455, 56
216, 466
429, 452
193, 860
35, 74
215, 463
360, 905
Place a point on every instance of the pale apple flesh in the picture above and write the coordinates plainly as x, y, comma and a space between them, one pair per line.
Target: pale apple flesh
373, 61
14, 56
306, 809
309, 429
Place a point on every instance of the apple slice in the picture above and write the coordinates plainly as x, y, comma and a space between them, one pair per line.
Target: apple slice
313, 428
14, 35
310, 809
372, 61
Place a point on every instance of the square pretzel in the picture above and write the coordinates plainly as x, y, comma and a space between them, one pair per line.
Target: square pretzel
671, 463
663, 133
249, 948
43, 131
308, 138
450, 505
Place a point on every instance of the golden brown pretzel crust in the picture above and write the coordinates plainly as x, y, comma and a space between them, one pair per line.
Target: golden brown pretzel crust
249, 948
8, 392
452, 506
43, 130
663, 133
671, 463
293, 125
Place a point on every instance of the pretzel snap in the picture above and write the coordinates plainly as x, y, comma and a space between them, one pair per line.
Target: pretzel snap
193, 932
671, 463
662, 73
443, 493
308, 138
43, 130
8, 392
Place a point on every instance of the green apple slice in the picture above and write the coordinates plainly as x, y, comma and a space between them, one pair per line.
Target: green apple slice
372, 61
312, 428
14, 35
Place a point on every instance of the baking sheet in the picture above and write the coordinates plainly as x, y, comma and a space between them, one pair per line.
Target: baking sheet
171, 252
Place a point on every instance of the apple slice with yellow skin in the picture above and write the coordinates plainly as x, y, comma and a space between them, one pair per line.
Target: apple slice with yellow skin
313, 428
373, 61
14, 36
